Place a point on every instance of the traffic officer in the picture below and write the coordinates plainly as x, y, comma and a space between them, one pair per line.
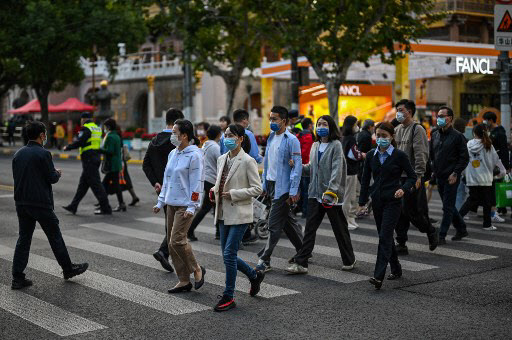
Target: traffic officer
89, 142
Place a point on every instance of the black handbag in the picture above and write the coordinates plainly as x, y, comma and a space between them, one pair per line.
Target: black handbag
106, 165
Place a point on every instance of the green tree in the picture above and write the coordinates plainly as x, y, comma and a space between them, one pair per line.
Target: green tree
332, 34
48, 38
219, 36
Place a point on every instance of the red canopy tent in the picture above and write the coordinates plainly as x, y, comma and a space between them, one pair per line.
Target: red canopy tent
31, 107
74, 105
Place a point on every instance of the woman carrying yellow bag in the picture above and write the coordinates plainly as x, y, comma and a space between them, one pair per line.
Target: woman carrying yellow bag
327, 169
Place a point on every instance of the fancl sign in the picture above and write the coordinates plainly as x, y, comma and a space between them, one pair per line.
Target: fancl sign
473, 65
350, 90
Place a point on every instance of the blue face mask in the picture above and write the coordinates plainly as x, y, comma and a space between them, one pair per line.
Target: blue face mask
274, 127
383, 142
230, 143
400, 117
441, 121
322, 132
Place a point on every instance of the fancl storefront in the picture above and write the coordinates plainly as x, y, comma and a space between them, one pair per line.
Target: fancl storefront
460, 75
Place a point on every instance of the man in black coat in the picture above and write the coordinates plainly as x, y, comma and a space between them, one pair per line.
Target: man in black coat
154, 165
34, 174
450, 157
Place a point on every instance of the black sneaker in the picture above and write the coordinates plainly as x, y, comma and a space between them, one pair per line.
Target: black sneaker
102, 212
225, 303
256, 283
402, 249
458, 236
433, 240
68, 208
76, 269
441, 242
250, 240
376, 283
192, 237
164, 261
20, 283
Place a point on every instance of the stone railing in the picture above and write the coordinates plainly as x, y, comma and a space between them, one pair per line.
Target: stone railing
477, 7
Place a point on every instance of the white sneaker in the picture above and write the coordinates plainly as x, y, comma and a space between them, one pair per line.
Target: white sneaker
297, 269
491, 228
347, 268
497, 219
466, 218
352, 224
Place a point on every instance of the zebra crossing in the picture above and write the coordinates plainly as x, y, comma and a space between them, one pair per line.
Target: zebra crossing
61, 322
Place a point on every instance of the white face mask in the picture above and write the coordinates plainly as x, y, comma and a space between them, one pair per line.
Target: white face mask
174, 140
45, 140
356, 129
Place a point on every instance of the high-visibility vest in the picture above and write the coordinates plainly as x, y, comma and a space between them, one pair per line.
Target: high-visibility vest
94, 142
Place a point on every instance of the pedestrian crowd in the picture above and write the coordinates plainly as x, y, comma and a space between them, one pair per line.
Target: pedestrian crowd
310, 169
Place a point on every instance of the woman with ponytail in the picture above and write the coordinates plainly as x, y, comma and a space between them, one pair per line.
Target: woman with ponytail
327, 169
386, 164
238, 181
479, 174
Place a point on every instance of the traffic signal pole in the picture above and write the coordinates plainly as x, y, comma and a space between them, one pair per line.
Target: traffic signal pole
504, 67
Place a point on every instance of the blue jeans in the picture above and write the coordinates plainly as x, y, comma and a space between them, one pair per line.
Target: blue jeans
461, 196
448, 193
304, 188
230, 238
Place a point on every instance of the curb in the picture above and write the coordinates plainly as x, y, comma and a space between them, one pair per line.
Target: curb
68, 156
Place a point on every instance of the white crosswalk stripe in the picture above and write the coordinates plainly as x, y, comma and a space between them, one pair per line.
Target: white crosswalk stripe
115, 287
319, 249
279, 263
43, 314
213, 277
476, 221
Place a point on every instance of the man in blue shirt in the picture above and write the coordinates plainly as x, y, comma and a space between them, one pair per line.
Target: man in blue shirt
281, 183
241, 117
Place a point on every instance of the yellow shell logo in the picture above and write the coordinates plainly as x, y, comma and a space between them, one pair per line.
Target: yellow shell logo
475, 163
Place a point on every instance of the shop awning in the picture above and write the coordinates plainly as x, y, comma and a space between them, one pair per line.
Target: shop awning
31, 107
74, 105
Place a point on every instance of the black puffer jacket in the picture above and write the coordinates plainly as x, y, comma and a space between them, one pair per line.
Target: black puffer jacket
499, 141
34, 174
156, 156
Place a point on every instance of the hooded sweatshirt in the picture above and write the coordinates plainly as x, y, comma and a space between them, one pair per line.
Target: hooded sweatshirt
156, 157
479, 171
183, 179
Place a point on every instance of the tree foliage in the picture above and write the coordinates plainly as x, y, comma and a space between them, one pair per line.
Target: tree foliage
333, 34
219, 36
48, 37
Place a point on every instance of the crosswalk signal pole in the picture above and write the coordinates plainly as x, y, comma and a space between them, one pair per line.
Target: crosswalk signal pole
504, 67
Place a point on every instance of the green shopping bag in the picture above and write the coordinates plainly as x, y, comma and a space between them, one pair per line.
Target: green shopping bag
504, 193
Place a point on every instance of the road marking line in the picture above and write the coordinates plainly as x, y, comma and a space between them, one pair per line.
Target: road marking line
439, 215
44, 314
324, 250
115, 287
313, 270
6, 187
6, 196
213, 277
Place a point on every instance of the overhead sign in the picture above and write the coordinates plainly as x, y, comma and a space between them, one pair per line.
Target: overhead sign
503, 27
473, 65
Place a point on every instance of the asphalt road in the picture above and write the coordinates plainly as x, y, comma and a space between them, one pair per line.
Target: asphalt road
463, 290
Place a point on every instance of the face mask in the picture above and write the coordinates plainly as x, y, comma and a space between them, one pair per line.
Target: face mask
175, 141
322, 132
200, 133
274, 126
485, 122
400, 117
45, 140
230, 143
356, 129
441, 121
383, 142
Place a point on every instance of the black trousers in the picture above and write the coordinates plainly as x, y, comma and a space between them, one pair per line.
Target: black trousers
111, 185
206, 206
27, 218
164, 246
479, 196
90, 178
339, 225
386, 216
415, 211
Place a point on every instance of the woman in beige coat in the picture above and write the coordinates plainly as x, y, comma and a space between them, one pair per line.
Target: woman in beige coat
237, 183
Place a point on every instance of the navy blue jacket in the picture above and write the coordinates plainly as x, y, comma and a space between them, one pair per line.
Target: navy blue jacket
386, 177
34, 174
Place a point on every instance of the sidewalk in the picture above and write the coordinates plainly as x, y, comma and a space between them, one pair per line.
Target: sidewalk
137, 156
